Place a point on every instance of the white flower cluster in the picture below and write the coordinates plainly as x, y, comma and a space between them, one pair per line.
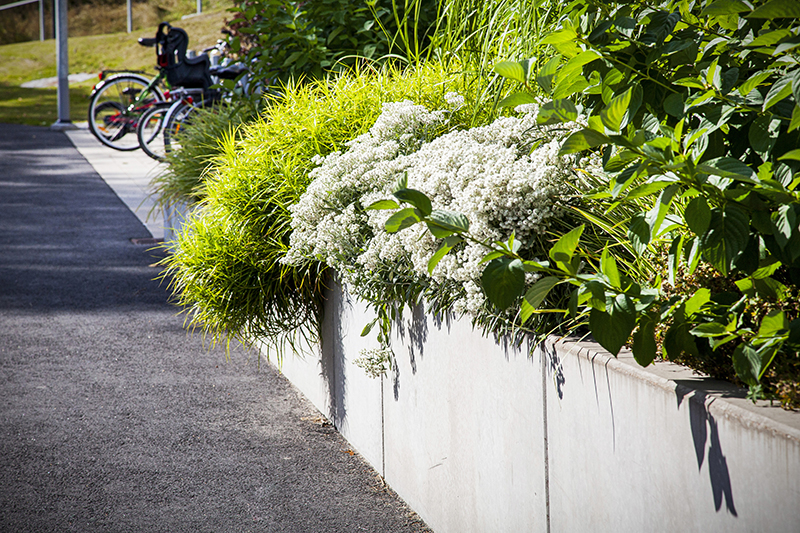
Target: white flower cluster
490, 174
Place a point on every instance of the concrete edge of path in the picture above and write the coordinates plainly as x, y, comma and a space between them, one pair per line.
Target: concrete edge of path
127, 173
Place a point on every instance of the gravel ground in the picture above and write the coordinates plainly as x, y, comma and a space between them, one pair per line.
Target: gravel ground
113, 417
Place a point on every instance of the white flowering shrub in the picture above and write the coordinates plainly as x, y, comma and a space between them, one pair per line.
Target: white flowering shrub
504, 177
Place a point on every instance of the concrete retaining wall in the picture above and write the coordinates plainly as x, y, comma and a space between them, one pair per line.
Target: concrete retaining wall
477, 436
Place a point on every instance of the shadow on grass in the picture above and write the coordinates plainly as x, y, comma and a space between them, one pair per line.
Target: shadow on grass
39, 107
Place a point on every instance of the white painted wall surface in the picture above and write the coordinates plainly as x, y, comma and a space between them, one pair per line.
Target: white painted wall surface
480, 437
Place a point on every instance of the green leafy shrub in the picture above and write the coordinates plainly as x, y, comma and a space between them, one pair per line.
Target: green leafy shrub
201, 142
291, 39
226, 270
695, 110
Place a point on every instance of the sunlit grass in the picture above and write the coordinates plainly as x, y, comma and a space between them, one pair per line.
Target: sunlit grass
39, 107
21, 62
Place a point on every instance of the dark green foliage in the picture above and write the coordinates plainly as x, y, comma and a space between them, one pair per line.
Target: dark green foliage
697, 111
289, 39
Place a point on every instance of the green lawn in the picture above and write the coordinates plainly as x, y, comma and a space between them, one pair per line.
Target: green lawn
21, 62
39, 107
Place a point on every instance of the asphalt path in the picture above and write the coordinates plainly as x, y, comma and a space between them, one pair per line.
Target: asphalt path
112, 417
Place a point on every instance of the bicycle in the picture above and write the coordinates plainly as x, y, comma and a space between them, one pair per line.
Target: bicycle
117, 102
159, 126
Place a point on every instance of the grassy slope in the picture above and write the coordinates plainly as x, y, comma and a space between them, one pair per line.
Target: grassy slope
21, 62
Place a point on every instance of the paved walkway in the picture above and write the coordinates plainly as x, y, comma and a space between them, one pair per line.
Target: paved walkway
112, 417
127, 173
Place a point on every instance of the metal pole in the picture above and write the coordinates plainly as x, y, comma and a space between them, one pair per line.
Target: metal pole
41, 20
62, 62
130, 16
199, 6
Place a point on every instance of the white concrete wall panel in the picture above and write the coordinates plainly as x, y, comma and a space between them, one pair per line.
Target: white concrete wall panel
463, 450
635, 452
477, 436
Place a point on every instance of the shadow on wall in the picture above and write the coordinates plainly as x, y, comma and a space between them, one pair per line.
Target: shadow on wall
414, 334
704, 429
331, 366
553, 365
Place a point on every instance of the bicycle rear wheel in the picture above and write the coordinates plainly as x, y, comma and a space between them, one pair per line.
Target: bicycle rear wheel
178, 118
115, 109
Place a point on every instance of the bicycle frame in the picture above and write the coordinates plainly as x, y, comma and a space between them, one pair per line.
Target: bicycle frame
143, 94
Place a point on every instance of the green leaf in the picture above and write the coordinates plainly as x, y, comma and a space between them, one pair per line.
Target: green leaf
763, 133
791, 154
754, 81
691, 82
728, 167
612, 329
796, 86
777, 9
729, 79
673, 104
644, 341
769, 38
639, 233
559, 37
382, 204
576, 63
608, 266
583, 140
710, 329
725, 7
693, 256
615, 111
767, 267
714, 75
784, 224
444, 248
512, 70
368, 327
698, 215
402, 183
678, 340
569, 85
539, 291
795, 122
774, 324
557, 111
674, 257
416, 198
545, 76
503, 281
562, 251
405, 218
444, 223
779, 90
747, 363
727, 236
655, 217
517, 99
697, 301
662, 23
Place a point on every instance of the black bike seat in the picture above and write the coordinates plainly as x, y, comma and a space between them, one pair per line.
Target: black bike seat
147, 41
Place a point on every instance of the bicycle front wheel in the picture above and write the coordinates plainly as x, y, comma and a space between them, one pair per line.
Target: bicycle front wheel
150, 130
115, 109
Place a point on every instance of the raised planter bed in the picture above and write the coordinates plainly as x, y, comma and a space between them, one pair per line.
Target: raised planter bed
478, 436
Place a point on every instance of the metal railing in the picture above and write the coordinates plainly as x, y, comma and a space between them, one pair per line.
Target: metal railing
41, 13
